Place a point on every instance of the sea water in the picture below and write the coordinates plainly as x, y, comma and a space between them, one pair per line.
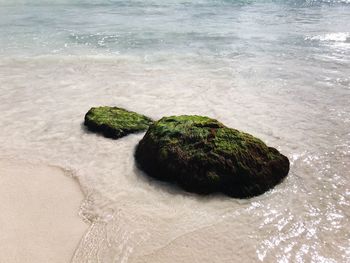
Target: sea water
279, 70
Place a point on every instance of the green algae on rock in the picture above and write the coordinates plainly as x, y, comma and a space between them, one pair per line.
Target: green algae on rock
114, 122
204, 156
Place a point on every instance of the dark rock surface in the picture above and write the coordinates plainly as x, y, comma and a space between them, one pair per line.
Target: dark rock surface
114, 122
202, 155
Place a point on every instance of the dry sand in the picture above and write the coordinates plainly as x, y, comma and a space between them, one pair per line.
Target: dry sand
39, 218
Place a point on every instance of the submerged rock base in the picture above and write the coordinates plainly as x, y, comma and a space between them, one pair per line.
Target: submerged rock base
204, 156
114, 122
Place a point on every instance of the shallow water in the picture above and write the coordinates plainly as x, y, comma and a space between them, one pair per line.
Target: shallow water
277, 69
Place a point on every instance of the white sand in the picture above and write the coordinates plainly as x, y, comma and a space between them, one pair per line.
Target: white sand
39, 219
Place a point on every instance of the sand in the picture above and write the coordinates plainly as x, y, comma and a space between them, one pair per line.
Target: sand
39, 218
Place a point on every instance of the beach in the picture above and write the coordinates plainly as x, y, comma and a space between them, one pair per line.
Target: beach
39, 219
278, 70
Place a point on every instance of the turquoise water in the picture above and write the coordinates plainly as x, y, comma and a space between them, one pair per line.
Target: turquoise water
218, 29
277, 69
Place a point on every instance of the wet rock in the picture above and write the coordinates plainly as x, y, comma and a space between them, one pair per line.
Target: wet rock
204, 156
114, 122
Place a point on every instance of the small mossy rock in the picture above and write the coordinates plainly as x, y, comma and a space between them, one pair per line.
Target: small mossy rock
202, 155
115, 122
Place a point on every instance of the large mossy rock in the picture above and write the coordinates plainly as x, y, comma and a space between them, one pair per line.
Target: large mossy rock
204, 156
115, 122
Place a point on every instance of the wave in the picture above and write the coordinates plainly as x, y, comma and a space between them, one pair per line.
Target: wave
331, 37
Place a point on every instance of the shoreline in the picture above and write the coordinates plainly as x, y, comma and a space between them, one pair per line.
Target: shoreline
39, 219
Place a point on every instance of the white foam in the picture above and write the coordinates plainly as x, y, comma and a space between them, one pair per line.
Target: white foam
337, 37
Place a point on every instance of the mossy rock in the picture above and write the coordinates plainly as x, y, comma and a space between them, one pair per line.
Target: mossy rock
204, 156
115, 122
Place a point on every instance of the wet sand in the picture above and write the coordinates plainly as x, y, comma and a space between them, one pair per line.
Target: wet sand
39, 213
